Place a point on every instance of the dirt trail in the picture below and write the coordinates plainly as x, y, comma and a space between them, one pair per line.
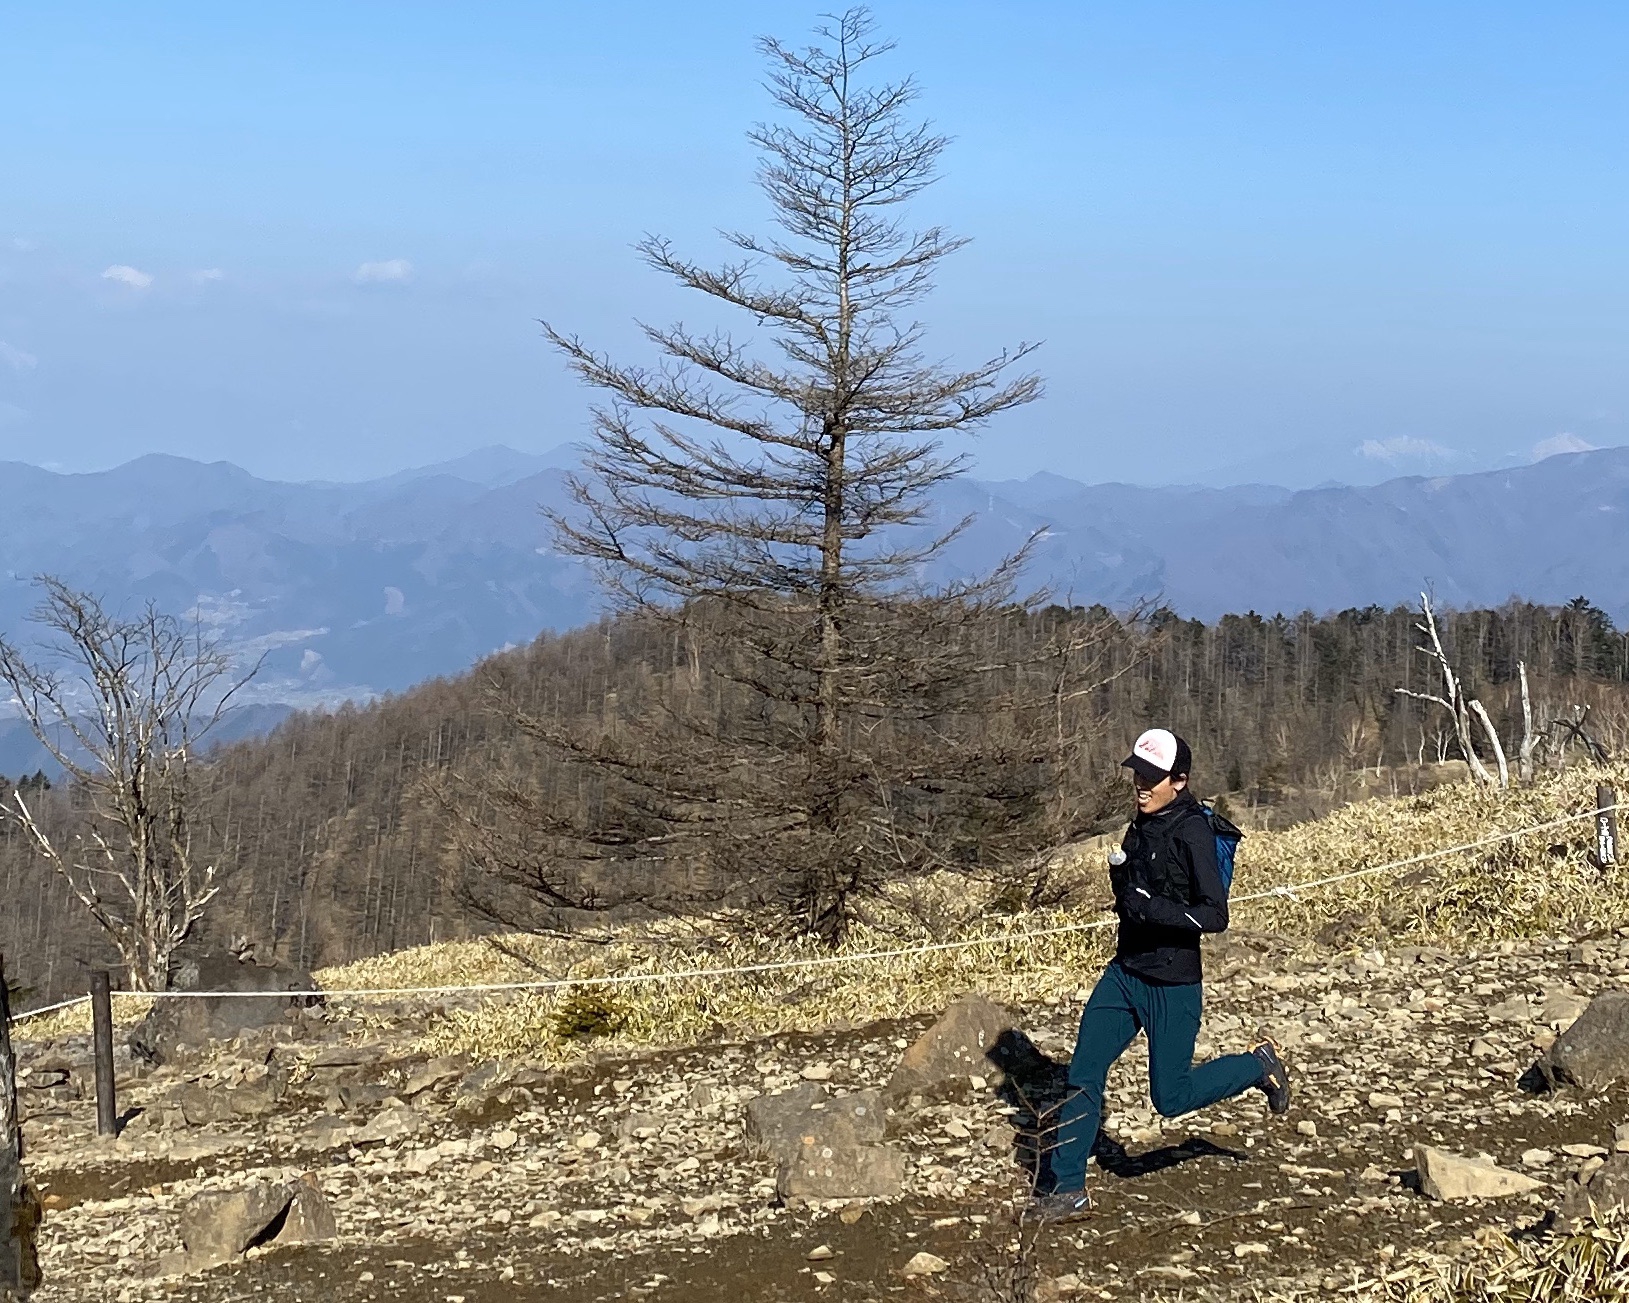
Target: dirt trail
664, 1202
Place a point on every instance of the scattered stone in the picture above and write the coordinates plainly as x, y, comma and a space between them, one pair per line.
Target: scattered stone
1562, 1007
1448, 1177
1594, 1051
924, 1264
1251, 1249
506, 1140
1307, 1128
337, 1057
200, 1105
1605, 1188
820, 1253
816, 1072
1537, 1157
435, 1073
394, 1122
330, 1132
1516, 1009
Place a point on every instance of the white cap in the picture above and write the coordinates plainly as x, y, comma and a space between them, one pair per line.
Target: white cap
1157, 753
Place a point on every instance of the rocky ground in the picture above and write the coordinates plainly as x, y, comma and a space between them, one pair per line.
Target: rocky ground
637, 1178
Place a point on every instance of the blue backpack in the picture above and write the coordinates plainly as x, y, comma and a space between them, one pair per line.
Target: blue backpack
1228, 838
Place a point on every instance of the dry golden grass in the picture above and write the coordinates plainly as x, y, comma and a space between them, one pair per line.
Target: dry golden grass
1529, 886
1586, 1262
1518, 888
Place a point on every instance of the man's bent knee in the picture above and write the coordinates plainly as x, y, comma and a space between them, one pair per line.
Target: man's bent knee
1173, 1102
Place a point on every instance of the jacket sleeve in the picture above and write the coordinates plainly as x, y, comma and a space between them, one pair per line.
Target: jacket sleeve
1208, 910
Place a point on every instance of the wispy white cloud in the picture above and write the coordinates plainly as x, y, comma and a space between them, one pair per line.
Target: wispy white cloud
11, 414
207, 274
1557, 444
22, 245
127, 275
17, 359
1404, 448
379, 273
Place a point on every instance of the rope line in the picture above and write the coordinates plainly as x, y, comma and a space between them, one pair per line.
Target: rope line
1282, 891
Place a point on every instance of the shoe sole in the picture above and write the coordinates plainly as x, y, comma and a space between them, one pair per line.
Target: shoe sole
1063, 1220
1056, 1219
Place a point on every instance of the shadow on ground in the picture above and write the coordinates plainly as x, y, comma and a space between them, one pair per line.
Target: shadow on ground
1035, 1085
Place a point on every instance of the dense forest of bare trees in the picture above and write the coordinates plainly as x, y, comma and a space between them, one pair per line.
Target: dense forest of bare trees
331, 844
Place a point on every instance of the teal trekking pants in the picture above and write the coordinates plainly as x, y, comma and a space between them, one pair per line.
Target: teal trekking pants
1122, 1004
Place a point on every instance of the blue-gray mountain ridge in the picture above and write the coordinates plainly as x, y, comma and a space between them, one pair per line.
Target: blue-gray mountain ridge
356, 589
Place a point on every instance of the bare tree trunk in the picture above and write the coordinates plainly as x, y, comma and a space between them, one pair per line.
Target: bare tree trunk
19, 1202
1524, 757
1477, 709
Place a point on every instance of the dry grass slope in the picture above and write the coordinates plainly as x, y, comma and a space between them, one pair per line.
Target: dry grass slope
1529, 886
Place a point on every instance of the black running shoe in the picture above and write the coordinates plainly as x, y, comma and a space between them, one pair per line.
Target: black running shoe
1275, 1077
1059, 1206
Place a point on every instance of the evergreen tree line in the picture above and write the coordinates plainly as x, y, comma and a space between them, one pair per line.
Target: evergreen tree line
453, 808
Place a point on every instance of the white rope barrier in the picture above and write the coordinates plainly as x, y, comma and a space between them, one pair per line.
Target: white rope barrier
1282, 891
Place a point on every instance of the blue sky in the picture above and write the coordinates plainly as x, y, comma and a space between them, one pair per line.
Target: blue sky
1260, 241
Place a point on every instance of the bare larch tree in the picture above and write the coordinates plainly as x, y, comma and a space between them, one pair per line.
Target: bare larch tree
769, 499
122, 706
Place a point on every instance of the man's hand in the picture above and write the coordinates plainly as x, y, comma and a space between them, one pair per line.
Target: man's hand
1134, 905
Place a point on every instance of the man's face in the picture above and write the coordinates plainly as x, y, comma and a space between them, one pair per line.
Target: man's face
1155, 796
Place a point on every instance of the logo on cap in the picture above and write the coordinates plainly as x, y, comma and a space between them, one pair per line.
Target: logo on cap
1158, 747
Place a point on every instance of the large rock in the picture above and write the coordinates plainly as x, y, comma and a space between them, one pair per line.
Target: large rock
777, 1125
310, 1219
218, 1225
1448, 1177
194, 1022
1594, 1051
955, 1048
825, 1171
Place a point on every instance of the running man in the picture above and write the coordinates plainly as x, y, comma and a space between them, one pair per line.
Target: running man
1167, 892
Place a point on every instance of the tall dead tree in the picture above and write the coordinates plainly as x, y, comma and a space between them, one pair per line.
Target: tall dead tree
122, 705
1460, 709
770, 501
1526, 756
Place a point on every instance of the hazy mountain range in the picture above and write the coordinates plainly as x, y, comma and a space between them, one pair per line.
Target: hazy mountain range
357, 589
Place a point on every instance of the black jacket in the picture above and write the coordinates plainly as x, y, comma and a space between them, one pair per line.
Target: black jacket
1168, 892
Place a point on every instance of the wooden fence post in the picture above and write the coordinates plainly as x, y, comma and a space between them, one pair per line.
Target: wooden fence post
1606, 826
107, 1108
